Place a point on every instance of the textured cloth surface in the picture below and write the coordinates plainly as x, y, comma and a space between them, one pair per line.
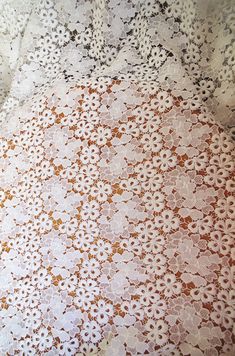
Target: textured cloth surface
186, 46
117, 226
117, 209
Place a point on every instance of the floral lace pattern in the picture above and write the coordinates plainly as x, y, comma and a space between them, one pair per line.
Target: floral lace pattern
117, 181
117, 225
185, 46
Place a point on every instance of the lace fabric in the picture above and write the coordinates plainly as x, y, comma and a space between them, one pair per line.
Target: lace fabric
186, 46
117, 179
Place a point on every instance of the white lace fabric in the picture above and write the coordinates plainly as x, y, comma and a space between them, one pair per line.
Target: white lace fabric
117, 185
186, 46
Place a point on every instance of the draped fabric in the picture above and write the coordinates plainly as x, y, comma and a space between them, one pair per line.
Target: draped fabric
117, 207
183, 46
